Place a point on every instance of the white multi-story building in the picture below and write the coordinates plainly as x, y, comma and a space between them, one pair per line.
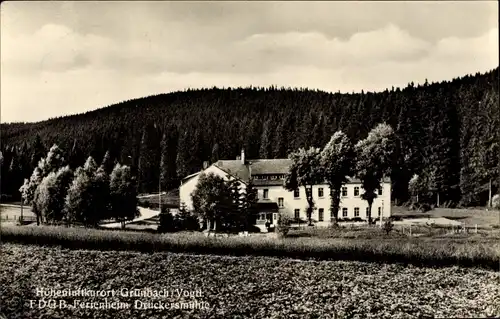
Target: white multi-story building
268, 175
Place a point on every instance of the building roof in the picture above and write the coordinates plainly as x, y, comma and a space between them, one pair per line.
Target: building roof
254, 167
270, 166
257, 167
234, 168
185, 179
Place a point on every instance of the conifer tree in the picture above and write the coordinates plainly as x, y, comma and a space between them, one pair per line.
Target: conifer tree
443, 153
248, 209
107, 163
38, 151
182, 157
265, 141
215, 153
149, 161
168, 147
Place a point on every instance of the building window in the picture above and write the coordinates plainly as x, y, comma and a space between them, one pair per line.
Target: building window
297, 213
321, 214
296, 193
356, 211
344, 191
320, 192
356, 191
344, 212
265, 194
379, 211
380, 191
280, 202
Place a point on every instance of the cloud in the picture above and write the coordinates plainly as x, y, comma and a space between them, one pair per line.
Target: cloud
60, 68
52, 48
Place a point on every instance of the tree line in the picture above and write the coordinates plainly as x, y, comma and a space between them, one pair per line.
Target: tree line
85, 196
447, 134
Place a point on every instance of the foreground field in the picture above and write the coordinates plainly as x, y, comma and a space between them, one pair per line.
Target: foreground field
236, 287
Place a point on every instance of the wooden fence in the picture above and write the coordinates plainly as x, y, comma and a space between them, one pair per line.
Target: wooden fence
418, 230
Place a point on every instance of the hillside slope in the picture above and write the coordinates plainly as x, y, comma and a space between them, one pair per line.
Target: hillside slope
452, 124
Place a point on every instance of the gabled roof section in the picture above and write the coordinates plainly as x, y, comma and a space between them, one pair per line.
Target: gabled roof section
185, 179
270, 166
257, 167
234, 168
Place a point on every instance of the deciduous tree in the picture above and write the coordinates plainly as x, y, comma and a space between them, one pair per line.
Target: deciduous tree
211, 199
337, 162
305, 171
123, 192
374, 156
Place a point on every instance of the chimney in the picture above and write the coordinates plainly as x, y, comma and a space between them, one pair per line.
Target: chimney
205, 165
242, 156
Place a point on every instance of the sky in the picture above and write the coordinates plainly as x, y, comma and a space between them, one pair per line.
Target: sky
61, 58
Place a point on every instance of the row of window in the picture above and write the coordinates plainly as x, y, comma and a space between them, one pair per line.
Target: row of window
296, 193
345, 211
268, 177
356, 191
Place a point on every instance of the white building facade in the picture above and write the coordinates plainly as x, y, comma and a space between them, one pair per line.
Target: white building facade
267, 176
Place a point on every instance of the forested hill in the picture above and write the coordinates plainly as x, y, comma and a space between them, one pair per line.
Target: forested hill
447, 129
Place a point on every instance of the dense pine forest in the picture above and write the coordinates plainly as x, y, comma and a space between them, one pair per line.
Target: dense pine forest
448, 133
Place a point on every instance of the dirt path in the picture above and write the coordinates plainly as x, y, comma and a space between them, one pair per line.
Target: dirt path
145, 214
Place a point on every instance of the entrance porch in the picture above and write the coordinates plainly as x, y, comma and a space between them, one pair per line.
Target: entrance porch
267, 213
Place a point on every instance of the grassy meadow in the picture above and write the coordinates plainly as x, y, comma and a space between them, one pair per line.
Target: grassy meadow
481, 250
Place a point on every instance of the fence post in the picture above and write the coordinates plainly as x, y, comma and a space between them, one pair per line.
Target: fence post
410, 230
476, 228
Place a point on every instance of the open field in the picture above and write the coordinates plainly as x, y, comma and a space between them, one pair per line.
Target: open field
12, 212
470, 216
148, 220
401, 231
144, 217
168, 199
473, 252
237, 287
